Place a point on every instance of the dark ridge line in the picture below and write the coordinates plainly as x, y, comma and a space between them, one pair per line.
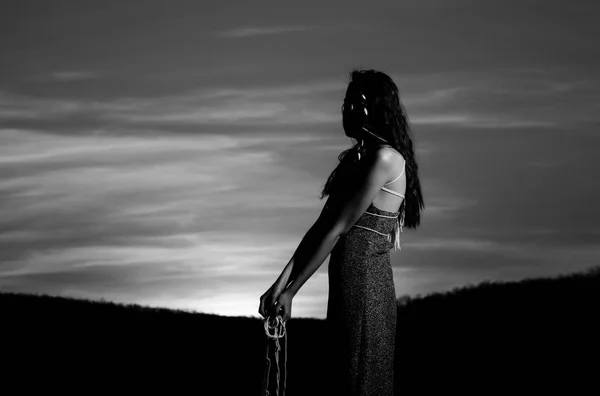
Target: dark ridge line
402, 301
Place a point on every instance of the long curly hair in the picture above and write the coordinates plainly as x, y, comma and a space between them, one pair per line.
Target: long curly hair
387, 118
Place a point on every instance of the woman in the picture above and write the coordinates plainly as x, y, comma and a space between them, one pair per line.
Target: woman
359, 225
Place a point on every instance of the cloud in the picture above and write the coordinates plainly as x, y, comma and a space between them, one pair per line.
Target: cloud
308, 88
74, 75
197, 196
245, 32
14, 106
435, 95
443, 204
461, 244
503, 98
478, 121
499, 98
65, 76
173, 220
292, 104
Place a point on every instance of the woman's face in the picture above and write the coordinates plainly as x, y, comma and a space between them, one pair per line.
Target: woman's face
352, 119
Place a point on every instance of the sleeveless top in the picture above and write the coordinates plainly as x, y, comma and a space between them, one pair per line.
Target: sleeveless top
395, 236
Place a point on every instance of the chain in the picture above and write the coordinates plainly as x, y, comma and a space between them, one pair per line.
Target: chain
275, 332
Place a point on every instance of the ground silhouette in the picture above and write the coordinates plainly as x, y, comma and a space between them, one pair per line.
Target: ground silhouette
536, 334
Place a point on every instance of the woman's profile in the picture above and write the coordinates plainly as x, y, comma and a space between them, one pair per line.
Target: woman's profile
373, 193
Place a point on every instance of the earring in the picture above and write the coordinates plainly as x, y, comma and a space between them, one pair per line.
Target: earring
364, 105
360, 147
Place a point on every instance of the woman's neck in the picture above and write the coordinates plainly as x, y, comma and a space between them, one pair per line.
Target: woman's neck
372, 139
372, 143
370, 146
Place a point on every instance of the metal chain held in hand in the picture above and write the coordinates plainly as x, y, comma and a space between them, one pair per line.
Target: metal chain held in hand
274, 329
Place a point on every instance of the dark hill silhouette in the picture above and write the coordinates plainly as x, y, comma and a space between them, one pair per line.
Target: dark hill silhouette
535, 333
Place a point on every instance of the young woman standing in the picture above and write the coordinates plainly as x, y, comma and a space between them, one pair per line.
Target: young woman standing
373, 193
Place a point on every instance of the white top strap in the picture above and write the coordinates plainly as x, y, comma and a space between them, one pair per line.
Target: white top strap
401, 173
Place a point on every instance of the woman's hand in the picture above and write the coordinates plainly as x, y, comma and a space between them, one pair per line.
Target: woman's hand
283, 306
274, 302
267, 300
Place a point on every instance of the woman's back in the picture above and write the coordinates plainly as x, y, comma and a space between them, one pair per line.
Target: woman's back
392, 194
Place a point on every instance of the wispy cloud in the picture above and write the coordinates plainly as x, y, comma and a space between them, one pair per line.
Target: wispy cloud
250, 31
502, 99
286, 104
461, 244
15, 106
480, 121
308, 88
291, 104
447, 207
65, 76
172, 177
74, 75
170, 220
432, 96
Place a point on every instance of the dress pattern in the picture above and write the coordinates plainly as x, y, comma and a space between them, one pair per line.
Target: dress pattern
361, 308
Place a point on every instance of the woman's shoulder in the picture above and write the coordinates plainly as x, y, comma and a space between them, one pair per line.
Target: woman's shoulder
390, 152
387, 159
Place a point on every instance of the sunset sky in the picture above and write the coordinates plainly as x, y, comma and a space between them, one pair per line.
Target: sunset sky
172, 153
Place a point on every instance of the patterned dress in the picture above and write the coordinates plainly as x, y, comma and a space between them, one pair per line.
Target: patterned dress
361, 310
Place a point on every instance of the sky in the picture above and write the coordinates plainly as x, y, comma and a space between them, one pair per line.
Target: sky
172, 153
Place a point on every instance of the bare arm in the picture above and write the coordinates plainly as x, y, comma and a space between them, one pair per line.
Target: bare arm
311, 253
336, 219
290, 272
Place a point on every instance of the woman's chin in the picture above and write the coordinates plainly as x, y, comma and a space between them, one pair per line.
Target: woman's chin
350, 133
